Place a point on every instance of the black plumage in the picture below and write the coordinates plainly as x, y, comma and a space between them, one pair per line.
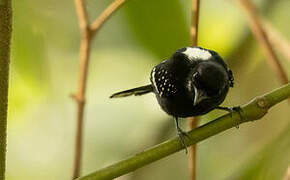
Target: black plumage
192, 82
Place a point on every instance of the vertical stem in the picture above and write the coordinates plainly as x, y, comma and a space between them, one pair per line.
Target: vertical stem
80, 96
194, 21
106, 14
193, 121
258, 31
5, 36
88, 32
277, 40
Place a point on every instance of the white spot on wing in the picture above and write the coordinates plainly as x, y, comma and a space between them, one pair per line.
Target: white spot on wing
153, 80
189, 86
197, 53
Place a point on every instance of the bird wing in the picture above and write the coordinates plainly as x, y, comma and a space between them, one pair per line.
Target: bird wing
163, 82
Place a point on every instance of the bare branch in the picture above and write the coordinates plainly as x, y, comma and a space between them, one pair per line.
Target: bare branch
277, 40
194, 21
193, 121
82, 14
256, 27
107, 13
80, 96
87, 34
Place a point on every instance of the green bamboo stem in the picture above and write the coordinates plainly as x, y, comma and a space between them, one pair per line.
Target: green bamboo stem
5, 36
254, 110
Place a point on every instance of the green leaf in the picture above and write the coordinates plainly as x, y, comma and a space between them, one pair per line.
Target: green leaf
160, 26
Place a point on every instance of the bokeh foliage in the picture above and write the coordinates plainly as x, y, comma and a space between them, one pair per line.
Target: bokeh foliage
45, 71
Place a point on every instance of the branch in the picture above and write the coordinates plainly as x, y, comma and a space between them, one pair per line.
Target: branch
257, 29
5, 37
106, 14
80, 96
277, 40
254, 110
194, 21
88, 33
193, 121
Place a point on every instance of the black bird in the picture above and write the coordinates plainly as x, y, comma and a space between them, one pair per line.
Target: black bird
192, 82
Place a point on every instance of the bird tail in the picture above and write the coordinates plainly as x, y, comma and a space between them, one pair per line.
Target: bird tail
135, 91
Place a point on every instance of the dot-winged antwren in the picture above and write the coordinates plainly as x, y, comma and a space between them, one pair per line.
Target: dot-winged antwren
192, 82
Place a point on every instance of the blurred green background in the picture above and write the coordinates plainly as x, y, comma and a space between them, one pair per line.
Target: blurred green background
44, 72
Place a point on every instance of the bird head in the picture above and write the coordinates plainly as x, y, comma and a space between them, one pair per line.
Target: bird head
209, 75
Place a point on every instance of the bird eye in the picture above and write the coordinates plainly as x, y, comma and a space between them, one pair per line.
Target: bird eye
195, 76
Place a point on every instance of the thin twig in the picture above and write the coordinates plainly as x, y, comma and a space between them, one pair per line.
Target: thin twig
193, 121
80, 96
106, 14
254, 110
277, 40
257, 29
194, 21
87, 34
82, 14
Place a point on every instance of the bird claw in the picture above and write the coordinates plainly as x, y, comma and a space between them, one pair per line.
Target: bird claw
239, 110
231, 110
181, 134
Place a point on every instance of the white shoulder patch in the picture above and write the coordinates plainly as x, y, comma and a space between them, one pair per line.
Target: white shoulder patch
197, 53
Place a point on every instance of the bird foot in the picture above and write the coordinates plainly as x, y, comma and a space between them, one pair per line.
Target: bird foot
181, 134
231, 110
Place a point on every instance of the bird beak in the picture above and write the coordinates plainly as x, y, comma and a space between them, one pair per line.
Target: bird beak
199, 95
196, 94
